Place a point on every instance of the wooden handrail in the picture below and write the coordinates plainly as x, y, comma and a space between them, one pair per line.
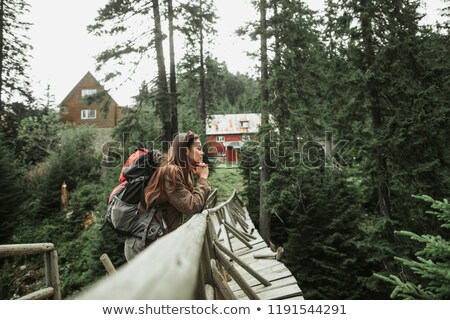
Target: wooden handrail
53, 286
39, 295
170, 262
176, 266
8, 250
223, 204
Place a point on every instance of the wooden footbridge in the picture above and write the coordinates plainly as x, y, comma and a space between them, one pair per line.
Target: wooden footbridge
217, 254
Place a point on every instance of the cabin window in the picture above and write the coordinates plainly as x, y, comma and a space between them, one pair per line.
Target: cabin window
244, 124
88, 114
220, 139
88, 92
245, 137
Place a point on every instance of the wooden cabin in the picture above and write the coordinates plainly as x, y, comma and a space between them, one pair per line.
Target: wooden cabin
89, 103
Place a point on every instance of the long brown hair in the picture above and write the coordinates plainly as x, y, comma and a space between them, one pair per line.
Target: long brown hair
175, 160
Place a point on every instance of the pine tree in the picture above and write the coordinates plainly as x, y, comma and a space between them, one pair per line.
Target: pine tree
11, 192
172, 65
163, 101
382, 48
15, 83
326, 250
387, 66
431, 263
198, 26
264, 216
296, 71
118, 18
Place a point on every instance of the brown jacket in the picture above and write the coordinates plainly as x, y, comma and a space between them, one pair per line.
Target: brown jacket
185, 199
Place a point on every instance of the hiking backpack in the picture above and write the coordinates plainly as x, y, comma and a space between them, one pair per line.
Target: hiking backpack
122, 213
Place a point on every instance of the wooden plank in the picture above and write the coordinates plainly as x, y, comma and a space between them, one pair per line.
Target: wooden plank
272, 277
250, 255
228, 216
243, 265
214, 220
237, 235
200, 287
259, 264
39, 295
236, 276
227, 238
275, 272
209, 292
271, 269
295, 298
221, 284
239, 248
7, 250
258, 240
48, 275
276, 280
240, 220
242, 233
109, 267
282, 283
278, 293
54, 272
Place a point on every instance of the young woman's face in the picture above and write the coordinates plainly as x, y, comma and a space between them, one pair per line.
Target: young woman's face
195, 152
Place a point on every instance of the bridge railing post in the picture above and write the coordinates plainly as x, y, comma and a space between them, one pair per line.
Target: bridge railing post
52, 282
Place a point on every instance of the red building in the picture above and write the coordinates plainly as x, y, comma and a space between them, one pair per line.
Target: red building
226, 133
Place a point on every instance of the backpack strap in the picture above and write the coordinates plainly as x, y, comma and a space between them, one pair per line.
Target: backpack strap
142, 180
143, 193
151, 215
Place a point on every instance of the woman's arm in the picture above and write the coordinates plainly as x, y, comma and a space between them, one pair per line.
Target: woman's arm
183, 199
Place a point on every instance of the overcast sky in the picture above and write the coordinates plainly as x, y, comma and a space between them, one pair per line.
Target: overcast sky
63, 51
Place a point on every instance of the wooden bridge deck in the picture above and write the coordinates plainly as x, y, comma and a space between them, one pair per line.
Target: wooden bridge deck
283, 284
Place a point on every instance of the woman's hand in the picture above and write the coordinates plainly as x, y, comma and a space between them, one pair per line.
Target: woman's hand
201, 170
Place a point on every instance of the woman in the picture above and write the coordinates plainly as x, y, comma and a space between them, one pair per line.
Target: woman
172, 189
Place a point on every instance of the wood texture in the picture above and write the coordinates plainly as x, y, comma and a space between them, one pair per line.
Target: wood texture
166, 270
39, 295
110, 269
237, 276
243, 264
222, 284
24, 249
54, 272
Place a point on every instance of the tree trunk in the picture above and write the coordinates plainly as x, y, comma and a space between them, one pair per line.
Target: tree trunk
264, 217
202, 73
384, 203
173, 79
1, 53
162, 100
283, 112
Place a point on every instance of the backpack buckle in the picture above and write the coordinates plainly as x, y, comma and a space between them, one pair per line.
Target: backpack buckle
152, 230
